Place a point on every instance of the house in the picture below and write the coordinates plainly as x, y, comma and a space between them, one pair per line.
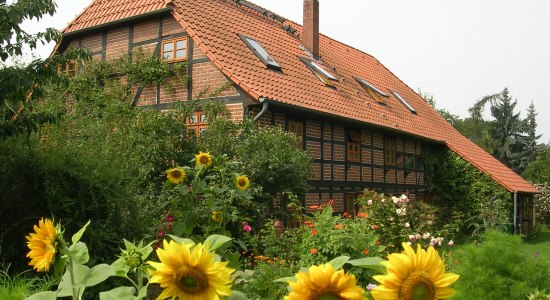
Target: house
364, 126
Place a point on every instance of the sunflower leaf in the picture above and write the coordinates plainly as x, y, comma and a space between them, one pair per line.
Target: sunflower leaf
76, 237
338, 262
285, 279
216, 241
236, 295
49, 295
120, 293
373, 263
181, 240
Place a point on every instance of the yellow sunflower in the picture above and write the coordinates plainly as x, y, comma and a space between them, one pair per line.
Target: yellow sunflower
325, 283
175, 175
242, 182
414, 276
188, 271
217, 216
204, 159
42, 244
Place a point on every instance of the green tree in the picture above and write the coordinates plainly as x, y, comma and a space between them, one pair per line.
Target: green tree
538, 171
531, 131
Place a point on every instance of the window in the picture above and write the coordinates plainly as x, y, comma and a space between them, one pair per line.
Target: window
321, 73
197, 123
403, 101
260, 52
354, 146
70, 68
372, 90
298, 129
389, 151
174, 50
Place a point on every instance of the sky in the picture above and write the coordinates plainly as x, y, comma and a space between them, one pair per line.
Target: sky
458, 51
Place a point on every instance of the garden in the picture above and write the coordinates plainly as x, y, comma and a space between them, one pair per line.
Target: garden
104, 201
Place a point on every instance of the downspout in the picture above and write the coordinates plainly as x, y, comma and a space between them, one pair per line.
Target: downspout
515, 211
264, 108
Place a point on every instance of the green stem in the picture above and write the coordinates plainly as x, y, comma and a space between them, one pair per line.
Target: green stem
71, 272
139, 280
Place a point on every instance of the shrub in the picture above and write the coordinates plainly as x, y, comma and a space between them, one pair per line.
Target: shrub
542, 203
19, 286
497, 268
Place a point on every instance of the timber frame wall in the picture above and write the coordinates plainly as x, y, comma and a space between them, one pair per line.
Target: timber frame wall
326, 139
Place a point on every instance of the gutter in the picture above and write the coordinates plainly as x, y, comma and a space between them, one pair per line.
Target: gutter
116, 22
515, 211
264, 108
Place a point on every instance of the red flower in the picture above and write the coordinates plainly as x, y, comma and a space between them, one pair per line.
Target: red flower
311, 225
313, 251
375, 227
366, 251
337, 226
170, 218
314, 206
362, 215
314, 232
161, 233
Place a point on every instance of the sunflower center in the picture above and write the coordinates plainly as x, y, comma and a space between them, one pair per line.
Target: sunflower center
191, 281
176, 174
417, 286
242, 182
328, 296
203, 160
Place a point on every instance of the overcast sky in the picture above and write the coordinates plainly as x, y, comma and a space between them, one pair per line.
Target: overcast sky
459, 51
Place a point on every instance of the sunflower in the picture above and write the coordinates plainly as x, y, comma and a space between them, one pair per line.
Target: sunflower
188, 271
217, 216
325, 283
204, 159
414, 276
242, 182
42, 244
175, 175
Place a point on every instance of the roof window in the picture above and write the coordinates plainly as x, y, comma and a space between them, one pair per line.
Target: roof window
372, 90
404, 102
260, 52
321, 73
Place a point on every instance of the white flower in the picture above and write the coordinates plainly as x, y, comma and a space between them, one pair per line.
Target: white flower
426, 235
451, 243
404, 198
409, 243
382, 200
395, 199
407, 225
417, 236
369, 202
412, 238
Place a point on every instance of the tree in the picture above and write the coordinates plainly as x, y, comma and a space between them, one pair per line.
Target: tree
22, 85
507, 129
531, 130
538, 171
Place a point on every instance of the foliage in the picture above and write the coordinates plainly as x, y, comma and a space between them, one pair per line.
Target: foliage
277, 241
542, 204
465, 192
269, 157
20, 285
538, 295
538, 171
259, 283
509, 275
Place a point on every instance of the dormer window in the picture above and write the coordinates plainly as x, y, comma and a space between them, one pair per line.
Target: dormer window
174, 50
260, 52
372, 90
321, 73
404, 102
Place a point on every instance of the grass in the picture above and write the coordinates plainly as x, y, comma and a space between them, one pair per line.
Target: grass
540, 247
21, 285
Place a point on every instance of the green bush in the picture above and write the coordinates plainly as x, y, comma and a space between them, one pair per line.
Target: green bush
497, 268
19, 286
258, 284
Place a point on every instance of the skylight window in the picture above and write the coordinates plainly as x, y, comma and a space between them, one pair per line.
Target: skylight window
367, 85
260, 52
404, 102
321, 73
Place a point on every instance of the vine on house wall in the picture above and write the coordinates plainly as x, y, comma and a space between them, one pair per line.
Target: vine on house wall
465, 192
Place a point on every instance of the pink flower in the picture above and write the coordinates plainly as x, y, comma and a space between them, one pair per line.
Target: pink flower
277, 224
451, 243
369, 202
246, 227
370, 286
170, 218
412, 238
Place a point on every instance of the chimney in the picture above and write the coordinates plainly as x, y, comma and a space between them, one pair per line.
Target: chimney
310, 34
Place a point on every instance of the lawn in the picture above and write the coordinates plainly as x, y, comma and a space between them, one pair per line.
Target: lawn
540, 247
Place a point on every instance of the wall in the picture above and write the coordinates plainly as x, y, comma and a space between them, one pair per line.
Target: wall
148, 35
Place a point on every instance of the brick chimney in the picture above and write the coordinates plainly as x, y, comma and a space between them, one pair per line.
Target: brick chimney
310, 34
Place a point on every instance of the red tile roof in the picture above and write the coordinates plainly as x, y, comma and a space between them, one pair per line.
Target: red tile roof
106, 11
215, 26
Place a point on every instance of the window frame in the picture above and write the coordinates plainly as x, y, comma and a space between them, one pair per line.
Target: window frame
353, 141
67, 68
248, 42
200, 125
174, 42
403, 101
354, 207
319, 72
390, 151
